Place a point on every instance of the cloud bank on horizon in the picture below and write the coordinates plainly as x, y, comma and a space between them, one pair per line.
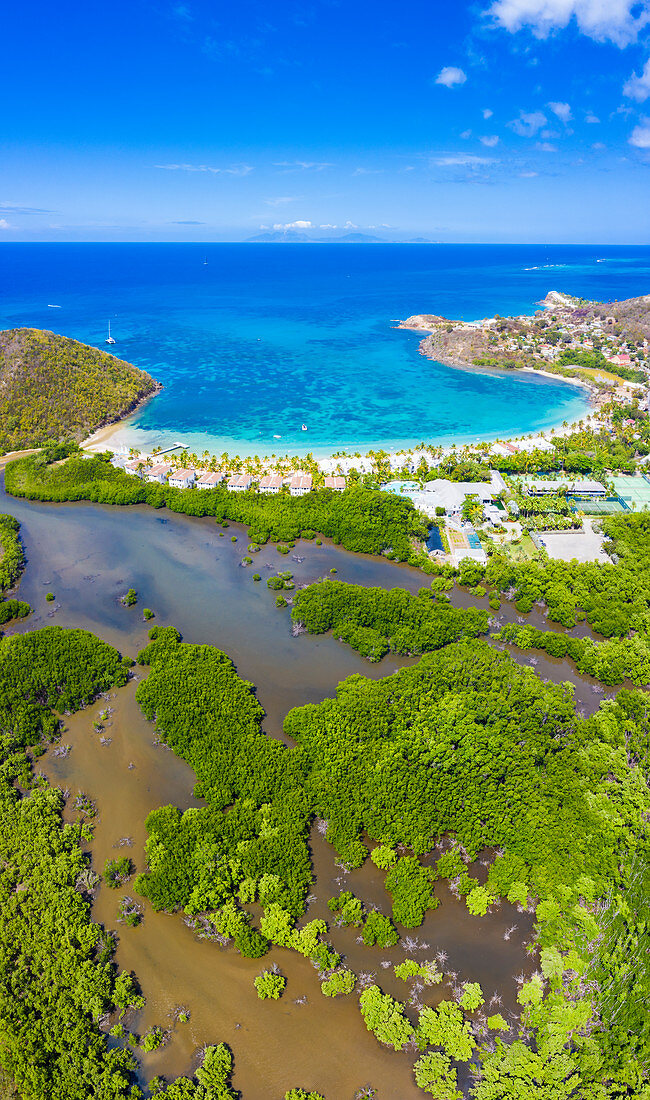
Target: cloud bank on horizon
518, 120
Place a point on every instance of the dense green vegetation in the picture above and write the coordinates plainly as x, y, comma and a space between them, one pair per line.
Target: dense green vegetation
360, 519
611, 662
57, 975
12, 558
468, 744
54, 388
374, 621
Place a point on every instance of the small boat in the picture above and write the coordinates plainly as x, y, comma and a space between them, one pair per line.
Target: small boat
277, 437
205, 262
304, 428
109, 338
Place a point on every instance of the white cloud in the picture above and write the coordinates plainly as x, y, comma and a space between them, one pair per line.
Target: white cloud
461, 160
282, 200
640, 136
546, 147
328, 227
605, 20
302, 165
293, 225
598, 146
466, 134
638, 87
4, 224
490, 140
528, 123
592, 119
487, 113
528, 175
562, 111
450, 76
234, 170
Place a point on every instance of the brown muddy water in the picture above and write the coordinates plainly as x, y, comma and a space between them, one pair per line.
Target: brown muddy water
191, 576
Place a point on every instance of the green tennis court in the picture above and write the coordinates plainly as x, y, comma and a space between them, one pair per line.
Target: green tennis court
598, 506
633, 490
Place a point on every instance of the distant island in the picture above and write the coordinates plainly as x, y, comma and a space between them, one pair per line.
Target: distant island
293, 236
53, 388
596, 343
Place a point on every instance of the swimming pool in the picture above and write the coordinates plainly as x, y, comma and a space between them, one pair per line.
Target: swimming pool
401, 488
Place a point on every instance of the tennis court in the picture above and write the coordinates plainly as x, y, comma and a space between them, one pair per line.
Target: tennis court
633, 490
597, 506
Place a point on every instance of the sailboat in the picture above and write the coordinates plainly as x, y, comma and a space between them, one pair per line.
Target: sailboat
109, 338
304, 428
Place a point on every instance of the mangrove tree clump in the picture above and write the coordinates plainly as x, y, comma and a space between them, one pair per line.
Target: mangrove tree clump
374, 621
269, 985
118, 871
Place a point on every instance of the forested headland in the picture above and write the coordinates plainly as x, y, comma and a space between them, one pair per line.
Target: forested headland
359, 519
53, 388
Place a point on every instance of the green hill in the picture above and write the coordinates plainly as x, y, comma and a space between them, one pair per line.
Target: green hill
53, 388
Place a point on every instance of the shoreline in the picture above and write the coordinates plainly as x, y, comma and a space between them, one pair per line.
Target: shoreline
122, 435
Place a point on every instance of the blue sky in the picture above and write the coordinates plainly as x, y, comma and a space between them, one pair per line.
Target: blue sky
501, 120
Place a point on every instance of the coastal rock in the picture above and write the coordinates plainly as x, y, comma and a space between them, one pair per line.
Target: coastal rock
423, 321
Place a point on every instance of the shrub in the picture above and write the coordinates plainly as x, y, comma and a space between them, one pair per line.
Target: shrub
379, 930
117, 871
147, 614
153, 1039
130, 598
339, 984
49, 597
270, 985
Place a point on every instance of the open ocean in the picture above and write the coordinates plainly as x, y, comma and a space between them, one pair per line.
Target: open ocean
263, 338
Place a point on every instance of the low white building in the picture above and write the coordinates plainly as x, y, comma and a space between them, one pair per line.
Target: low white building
336, 483
271, 483
158, 473
182, 479
239, 483
209, 481
300, 484
583, 488
135, 466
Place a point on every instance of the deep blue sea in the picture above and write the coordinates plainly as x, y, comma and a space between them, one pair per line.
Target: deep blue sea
263, 338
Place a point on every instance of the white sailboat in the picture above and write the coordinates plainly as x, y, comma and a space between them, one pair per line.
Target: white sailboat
109, 338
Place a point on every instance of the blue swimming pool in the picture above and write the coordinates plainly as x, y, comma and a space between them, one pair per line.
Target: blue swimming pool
401, 488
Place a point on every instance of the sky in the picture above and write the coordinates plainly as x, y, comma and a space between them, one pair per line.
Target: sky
173, 120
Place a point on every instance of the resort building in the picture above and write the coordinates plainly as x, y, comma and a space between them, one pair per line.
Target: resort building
209, 481
118, 461
300, 484
239, 483
336, 483
182, 479
135, 466
271, 483
158, 473
585, 488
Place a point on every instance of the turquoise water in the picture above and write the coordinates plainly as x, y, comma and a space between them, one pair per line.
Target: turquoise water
401, 488
264, 338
